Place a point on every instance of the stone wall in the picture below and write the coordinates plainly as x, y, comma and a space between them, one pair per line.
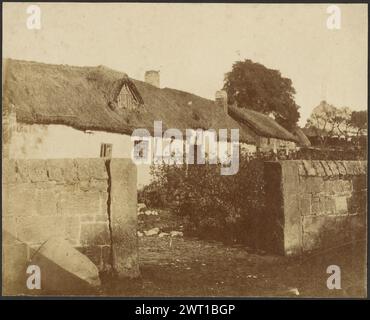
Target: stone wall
89, 202
313, 205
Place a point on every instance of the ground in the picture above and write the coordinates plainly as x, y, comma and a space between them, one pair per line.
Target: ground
183, 266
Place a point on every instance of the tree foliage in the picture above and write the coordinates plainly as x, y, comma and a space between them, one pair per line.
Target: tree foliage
359, 121
328, 121
253, 86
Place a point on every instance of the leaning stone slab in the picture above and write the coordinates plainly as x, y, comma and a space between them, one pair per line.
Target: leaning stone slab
64, 269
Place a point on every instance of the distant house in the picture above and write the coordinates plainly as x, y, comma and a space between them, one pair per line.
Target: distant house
303, 140
60, 111
268, 134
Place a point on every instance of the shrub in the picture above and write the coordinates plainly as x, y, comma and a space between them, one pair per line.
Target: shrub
152, 196
215, 206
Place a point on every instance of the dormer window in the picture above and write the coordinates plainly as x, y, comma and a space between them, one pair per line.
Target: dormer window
124, 95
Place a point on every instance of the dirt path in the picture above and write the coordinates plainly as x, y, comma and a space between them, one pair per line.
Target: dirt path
191, 267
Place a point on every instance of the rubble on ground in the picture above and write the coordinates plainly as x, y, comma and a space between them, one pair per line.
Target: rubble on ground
163, 234
151, 232
176, 233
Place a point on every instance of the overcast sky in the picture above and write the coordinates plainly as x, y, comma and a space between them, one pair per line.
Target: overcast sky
194, 45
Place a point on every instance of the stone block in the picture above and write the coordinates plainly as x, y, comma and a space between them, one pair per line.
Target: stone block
55, 170
70, 171
330, 186
362, 167
319, 168
62, 170
94, 253
354, 167
326, 168
329, 205
36, 169
84, 185
72, 228
92, 168
312, 228
270, 224
14, 266
326, 231
292, 217
98, 185
346, 186
358, 168
342, 187
87, 218
82, 203
357, 204
101, 218
38, 229
124, 217
26, 200
9, 229
22, 171
310, 170
317, 205
106, 258
45, 185
341, 206
96, 233
341, 168
348, 167
305, 205
301, 169
313, 185
333, 167
9, 170
64, 269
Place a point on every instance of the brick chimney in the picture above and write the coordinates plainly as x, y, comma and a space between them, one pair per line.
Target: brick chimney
221, 100
152, 77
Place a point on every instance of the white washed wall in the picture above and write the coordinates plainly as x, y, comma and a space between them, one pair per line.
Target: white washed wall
59, 141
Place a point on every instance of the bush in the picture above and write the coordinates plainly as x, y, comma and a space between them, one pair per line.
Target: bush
152, 196
214, 206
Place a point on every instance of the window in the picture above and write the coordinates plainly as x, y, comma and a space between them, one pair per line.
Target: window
106, 150
141, 149
125, 99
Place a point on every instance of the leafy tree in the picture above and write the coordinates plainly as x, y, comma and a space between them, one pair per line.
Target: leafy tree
359, 121
253, 86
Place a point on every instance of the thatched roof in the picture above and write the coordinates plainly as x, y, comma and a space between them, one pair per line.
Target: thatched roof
301, 137
312, 132
260, 123
79, 97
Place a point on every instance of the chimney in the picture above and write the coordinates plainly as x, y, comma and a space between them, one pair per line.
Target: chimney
221, 100
152, 77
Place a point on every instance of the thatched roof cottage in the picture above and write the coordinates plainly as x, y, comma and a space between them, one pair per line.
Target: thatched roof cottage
60, 111
268, 134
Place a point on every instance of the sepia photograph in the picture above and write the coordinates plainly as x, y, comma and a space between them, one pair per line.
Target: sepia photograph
184, 150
